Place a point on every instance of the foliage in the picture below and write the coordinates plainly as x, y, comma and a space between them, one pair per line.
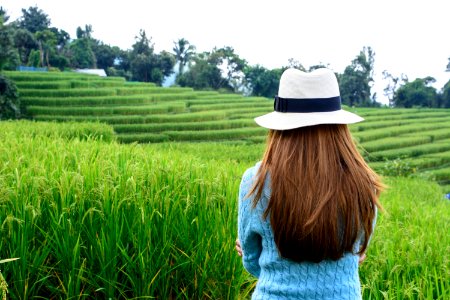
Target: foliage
9, 57
203, 74
82, 55
46, 40
356, 81
34, 19
147, 66
418, 93
446, 95
393, 83
261, 81
221, 68
9, 99
25, 42
231, 66
34, 58
398, 167
184, 52
105, 55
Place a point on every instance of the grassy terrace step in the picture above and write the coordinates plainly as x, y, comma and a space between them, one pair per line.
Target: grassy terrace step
164, 118
226, 105
441, 175
413, 151
68, 84
106, 100
152, 90
388, 113
55, 76
155, 118
446, 188
203, 95
369, 124
395, 142
68, 92
422, 163
204, 135
238, 99
109, 110
68, 130
182, 126
107, 91
138, 83
406, 140
365, 136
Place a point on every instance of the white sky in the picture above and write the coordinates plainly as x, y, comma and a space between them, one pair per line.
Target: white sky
408, 37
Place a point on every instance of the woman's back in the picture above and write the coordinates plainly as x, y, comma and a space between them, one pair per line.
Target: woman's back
307, 211
280, 278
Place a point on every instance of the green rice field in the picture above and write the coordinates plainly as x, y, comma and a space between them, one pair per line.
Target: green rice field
118, 190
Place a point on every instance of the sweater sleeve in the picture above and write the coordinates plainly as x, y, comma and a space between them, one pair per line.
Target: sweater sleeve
362, 235
248, 235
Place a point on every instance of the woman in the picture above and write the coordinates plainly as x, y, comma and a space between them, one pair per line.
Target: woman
307, 211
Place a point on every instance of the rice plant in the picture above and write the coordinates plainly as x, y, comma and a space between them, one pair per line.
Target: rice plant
93, 219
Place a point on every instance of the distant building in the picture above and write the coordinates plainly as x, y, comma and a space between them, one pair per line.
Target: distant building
99, 72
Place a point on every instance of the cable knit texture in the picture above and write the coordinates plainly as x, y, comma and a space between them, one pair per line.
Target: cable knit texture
279, 278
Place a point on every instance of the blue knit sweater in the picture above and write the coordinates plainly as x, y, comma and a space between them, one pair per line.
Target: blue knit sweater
279, 278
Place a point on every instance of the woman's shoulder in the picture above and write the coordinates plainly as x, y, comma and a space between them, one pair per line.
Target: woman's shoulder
251, 172
249, 178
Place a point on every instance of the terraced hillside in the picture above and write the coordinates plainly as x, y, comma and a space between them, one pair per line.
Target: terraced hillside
142, 112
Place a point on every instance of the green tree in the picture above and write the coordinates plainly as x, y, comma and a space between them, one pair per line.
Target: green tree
34, 59
122, 65
46, 40
84, 33
62, 39
34, 19
141, 58
418, 93
220, 69
24, 42
446, 95
393, 82
9, 57
356, 81
318, 66
3, 16
184, 52
81, 54
293, 63
231, 65
9, 99
261, 81
147, 66
203, 74
105, 54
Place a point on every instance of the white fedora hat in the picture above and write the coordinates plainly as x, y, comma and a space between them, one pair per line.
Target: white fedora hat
307, 99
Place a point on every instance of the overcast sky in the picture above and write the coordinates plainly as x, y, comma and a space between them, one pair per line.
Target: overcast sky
408, 37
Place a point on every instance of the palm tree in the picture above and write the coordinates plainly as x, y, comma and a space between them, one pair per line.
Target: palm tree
183, 53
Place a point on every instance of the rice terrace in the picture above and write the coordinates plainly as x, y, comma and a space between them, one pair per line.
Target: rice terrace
116, 189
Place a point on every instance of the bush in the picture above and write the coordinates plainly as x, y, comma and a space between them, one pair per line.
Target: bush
398, 167
9, 99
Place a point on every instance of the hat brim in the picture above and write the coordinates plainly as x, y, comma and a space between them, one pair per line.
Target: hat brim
284, 121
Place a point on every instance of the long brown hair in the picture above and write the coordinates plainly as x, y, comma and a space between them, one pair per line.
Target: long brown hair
323, 194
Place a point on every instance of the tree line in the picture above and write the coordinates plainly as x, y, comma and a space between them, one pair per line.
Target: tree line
32, 41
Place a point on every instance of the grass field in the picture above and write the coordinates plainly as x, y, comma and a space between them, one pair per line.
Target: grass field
91, 218
131, 193
145, 113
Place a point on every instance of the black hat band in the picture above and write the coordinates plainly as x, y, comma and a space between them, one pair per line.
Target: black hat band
309, 105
